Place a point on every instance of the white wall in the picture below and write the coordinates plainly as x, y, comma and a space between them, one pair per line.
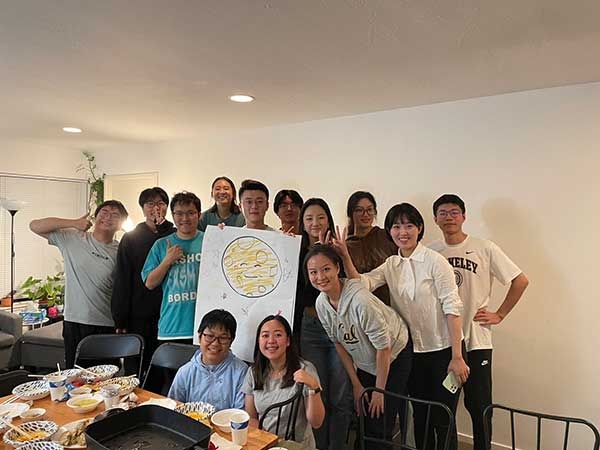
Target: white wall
525, 163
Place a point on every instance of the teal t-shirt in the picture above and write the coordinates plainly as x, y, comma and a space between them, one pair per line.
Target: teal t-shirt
180, 285
212, 218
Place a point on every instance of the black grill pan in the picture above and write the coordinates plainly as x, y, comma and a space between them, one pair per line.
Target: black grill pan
147, 427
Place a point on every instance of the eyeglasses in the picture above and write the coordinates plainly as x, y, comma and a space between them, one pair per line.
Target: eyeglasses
160, 204
453, 212
180, 214
210, 338
108, 215
288, 205
362, 211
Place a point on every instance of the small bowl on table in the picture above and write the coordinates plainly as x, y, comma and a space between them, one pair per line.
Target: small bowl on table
222, 419
83, 390
41, 430
33, 414
85, 403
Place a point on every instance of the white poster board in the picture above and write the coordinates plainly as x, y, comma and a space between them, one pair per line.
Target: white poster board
251, 274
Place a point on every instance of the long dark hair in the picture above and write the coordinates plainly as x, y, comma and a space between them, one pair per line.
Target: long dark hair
233, 208
323, 204
352, 202
260, 368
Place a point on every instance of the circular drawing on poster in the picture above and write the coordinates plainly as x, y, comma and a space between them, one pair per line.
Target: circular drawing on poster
251, 267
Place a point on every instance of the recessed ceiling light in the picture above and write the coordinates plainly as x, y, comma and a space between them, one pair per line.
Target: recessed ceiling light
72, 130
241, 98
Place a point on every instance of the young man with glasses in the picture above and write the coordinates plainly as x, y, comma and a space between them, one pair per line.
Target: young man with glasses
174, 263
213, 375
89, 259
287, 206
476, 262
135, 308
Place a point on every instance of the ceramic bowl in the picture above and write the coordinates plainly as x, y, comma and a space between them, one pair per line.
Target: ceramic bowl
196, 410
85, 403
71, 374
41, 445
126, 384
222, 419
32, 390
102, 372
84, 390
33, 414
45, 426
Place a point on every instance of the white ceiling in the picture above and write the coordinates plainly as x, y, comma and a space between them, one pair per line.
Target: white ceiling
150, 70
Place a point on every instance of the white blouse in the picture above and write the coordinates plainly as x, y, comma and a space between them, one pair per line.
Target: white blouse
423, 291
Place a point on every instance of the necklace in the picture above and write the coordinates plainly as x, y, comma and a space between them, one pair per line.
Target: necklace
278, 373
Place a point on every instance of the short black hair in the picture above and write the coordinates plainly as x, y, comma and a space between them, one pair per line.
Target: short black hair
282, 194
147, 195
449, 198
220, 318
253, 185
405, 213
115, 204
186, 198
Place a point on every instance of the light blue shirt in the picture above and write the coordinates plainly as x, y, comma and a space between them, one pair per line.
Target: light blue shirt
220, 385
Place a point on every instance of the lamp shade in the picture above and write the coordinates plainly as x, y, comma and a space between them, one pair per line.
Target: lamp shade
12, 205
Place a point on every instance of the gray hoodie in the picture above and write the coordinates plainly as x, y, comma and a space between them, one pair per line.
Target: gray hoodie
363, 324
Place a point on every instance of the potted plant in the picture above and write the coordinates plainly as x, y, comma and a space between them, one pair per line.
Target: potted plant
95, 181
49, 292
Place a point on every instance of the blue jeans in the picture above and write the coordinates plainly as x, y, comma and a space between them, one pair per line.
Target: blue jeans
337, 392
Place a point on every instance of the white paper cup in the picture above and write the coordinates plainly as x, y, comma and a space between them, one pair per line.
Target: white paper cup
110, 394
239, 427
58, 387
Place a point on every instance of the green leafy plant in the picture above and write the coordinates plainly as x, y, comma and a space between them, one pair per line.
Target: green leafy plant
50, 289
95, 181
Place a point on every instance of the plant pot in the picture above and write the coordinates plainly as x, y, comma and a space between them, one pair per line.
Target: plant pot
5, 301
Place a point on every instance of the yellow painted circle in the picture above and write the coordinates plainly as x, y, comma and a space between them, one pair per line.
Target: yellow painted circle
251, 267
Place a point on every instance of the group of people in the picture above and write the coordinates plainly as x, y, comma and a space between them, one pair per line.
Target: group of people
373, 308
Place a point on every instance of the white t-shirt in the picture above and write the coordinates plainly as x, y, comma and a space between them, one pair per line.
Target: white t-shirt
423, 292
476, 262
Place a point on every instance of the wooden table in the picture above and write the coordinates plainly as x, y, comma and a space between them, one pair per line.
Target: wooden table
62, 414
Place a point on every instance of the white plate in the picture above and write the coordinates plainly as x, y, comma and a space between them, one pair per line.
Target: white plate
168, 403
32, 390
14, 408
70, 427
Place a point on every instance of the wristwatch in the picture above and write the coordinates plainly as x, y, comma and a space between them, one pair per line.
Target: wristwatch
315, 391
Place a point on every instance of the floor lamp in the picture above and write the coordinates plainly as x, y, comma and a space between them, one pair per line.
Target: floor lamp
12, 206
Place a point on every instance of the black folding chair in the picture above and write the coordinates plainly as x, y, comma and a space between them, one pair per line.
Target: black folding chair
9, 380
165, 362
568, 421
383, 442
110, 347
288, 408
